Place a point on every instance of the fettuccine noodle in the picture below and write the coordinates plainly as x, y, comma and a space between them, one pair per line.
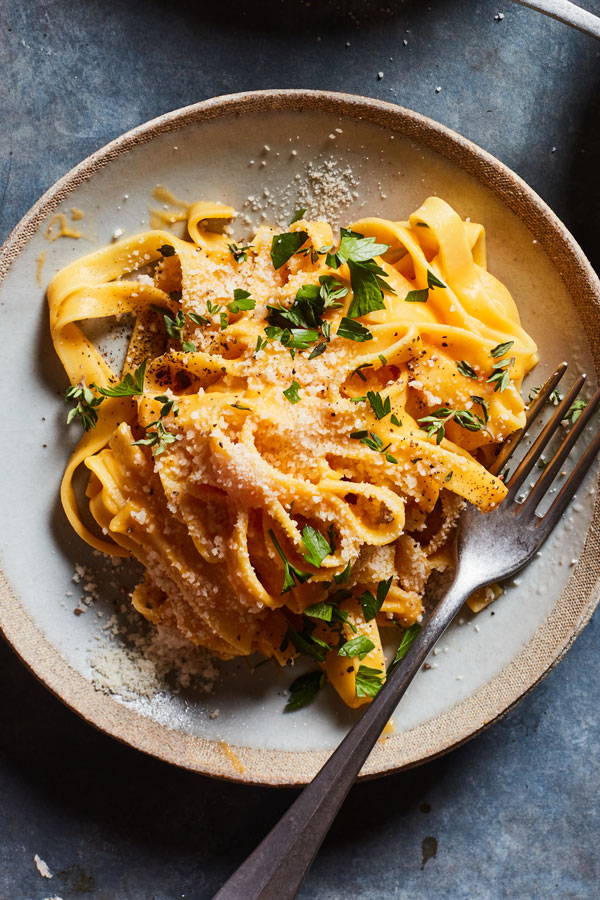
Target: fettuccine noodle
296, 468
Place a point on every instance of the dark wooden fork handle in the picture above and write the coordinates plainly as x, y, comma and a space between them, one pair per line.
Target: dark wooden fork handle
274, 871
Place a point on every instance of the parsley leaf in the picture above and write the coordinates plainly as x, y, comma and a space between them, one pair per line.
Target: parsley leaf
320, 348
323, 611
291, 574
299, 214
574, 411
370, 604
306, 643
366, 278
240, 254
291, 393
343, 576
317, 546
188, 347
417, 296
358, 646
407, 639
130, 386
304, 690
433, 280
435, 424
381, 406
241, 301
369, 681
353, 330
283, 246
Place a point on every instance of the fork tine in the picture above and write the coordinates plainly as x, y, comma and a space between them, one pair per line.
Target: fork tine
535, 451
565, 495
553, 467
510, 445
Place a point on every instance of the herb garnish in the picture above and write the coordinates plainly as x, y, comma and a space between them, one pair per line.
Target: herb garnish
353, 330
283, 246
372, 604
501, 349
291, 574
198, 319
322, 610
130, 386
86, 406
359, 646
241, 301
407, 639
465, 369
366, 277
374, 442
240, 254
368, 681
299, 214
381, 406
435, 424
317, 546
160, 438
417, 296
500, 376
188, 347
574, 411
175, 325
304, 690
291, 393
306, 643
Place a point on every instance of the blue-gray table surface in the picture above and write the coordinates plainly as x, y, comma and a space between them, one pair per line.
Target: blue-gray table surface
514, 813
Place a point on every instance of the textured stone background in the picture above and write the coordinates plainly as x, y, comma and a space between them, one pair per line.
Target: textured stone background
514, 813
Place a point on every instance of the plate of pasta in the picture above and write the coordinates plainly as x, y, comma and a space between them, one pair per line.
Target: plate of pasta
287, 365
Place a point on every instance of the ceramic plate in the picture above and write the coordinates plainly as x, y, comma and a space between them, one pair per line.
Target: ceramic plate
267, 153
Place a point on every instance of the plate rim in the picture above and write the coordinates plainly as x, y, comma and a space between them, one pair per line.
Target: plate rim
550, 641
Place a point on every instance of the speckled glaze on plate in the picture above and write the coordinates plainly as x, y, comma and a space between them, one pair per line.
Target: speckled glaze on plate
390, 159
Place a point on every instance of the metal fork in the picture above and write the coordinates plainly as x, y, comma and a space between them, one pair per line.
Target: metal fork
489, 547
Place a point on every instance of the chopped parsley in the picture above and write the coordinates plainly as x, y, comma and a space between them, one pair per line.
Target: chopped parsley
188, 346
320, 348
304, 689
283, 246
433, 280
317, 547
574, 411
291, 393
366, 277
381, 406
131, 386
372, 604
353, 330
291, 574
306, 643
407, 639
395, 420
241, 301
368, 681
417, 296
299, 214
323, 611
359, 646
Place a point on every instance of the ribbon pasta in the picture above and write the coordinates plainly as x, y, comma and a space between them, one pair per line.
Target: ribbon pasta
268, 442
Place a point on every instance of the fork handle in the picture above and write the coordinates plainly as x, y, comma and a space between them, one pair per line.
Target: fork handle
274, 871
